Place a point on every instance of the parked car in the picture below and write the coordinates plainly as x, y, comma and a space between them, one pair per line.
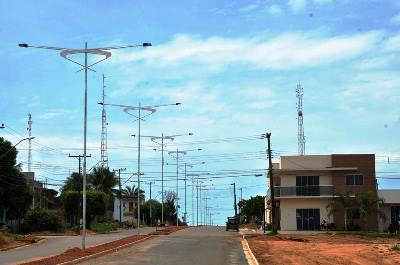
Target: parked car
232, 223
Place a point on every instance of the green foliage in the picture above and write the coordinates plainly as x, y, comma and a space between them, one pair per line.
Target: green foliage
96, 203
102, 179
369, 234
15, 194
104, 227
2, 239
73, 182
363, 202
40, 219
252, 209
395, 247
132, 192
155, 211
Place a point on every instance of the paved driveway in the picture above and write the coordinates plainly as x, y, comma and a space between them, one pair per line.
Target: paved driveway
192, 246
57, 244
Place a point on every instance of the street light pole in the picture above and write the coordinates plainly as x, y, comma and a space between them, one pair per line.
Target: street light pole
64, 52
6, 152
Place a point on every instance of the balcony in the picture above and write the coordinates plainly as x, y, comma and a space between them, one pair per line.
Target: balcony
304, 191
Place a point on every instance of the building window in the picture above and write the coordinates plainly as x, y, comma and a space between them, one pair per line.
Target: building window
307, 186
395, 214
354, 180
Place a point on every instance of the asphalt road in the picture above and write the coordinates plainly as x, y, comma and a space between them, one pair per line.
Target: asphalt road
57, 244
192, 246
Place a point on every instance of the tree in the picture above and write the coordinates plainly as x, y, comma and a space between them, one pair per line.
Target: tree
169, 206
368, 205
155, 211
102, 179
252, 208
132, 192
15, 194
345, 203
73, 182
96, 204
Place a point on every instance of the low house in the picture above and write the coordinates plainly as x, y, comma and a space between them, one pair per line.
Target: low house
125, 208
391, 207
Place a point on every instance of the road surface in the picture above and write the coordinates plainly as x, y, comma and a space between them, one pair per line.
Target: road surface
57, 244
192, 246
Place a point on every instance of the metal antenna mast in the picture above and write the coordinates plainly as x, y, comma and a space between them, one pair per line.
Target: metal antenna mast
29, 142
104, 155
301, 141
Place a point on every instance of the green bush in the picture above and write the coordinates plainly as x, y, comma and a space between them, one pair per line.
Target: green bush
104, 227
40, 219
2, 239
396, 247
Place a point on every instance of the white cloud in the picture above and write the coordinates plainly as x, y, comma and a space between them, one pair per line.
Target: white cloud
274, 10
395, 20
297, 5
392, 44
248, 8
286, 51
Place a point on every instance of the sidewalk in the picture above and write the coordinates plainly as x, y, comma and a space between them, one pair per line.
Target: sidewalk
56, 244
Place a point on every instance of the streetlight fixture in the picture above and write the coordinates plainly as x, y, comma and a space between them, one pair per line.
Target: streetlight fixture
150, 110
28, 138
65, 52
176, 154
2, 126
155, 139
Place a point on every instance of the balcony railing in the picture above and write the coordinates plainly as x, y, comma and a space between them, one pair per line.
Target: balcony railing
304, 191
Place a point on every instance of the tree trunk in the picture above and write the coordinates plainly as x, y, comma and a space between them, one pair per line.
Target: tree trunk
3, 217
345, 220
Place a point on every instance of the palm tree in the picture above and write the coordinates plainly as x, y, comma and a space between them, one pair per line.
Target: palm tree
73, 182
368, 205
132, 192
345, 203
102, 179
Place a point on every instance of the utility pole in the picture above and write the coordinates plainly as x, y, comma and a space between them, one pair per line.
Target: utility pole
79, 190
271, 185
184, 215
151, 216
234, 198
30, 144
197, 203
205, 210
104, 155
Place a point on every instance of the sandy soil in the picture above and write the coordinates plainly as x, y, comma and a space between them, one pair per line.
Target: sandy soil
323, 249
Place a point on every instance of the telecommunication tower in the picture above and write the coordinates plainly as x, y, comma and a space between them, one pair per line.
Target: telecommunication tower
301, 141
104, 155
29, 142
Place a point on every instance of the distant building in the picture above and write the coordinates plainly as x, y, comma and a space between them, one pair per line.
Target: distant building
129, 204
42, 196
305, 185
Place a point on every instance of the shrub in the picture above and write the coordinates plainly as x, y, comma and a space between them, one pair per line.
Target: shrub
104, 227
2, 239
395, 247
40, 219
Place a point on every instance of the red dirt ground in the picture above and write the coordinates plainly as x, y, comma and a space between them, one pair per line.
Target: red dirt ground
323, 249
75, 253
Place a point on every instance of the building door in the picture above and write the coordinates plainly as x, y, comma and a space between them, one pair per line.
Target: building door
308, 219
395, 214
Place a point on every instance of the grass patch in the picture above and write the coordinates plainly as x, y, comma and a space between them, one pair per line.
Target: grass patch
369, 234
271, 233
104, 227
395, 247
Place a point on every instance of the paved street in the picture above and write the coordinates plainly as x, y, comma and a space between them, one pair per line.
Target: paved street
192, 246
57, 244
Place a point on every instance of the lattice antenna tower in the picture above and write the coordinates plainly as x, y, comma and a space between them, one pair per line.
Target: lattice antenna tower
301, 141
29, 142
104, 155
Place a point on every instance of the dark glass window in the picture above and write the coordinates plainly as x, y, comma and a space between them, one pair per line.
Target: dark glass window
354, 179
308, 219
307, 186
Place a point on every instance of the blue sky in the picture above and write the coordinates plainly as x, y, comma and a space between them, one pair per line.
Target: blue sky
233, 64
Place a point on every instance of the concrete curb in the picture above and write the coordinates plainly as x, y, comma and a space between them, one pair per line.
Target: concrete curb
251, 259
76, 261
